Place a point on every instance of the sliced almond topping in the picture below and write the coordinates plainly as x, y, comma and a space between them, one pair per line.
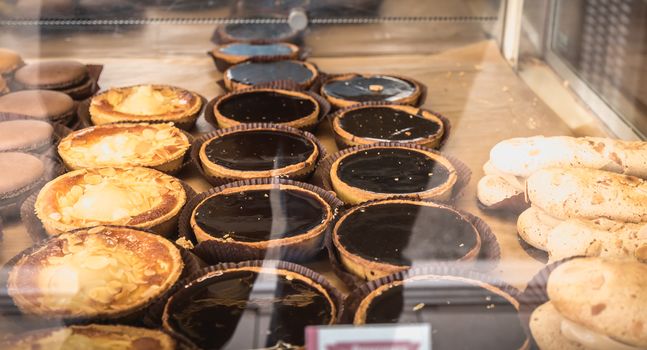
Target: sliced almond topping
101, 295
55, 216
92, 179
149, 272
107, 171
96, 262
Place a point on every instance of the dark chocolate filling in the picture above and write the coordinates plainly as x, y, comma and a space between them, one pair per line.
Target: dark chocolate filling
403, 233
253, 73
258, 150
265, 107
358, 88
248, 310
392, 170
264, 31
251, 50
260, 215
387, 124
462, 315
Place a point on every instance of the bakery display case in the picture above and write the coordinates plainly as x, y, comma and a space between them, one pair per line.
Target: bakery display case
231, 174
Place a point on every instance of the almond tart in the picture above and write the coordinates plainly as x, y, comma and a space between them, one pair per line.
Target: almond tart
103, 272
381, 238
158, 146
266, 105
249, 74
350, 89
381, 171
92, 337
146, 103
138, 197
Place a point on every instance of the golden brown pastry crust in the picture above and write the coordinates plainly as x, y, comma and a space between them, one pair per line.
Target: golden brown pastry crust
158, 146
141, 103
96, 272
138, 197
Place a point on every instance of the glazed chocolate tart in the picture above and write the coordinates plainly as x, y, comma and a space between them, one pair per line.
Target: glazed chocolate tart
258, 150
349, 89
251, 305
249, 74
466, 310
380, 238
373, 123
238, 221
231, 54
256, 33
267, 105
93, 336
383, 170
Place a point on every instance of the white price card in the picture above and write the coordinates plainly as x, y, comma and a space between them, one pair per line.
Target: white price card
369, 337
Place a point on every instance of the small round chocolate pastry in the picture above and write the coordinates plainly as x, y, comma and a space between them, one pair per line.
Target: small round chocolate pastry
380, 238
158, 146
146, 103
216, 310
464, 313
138, 197
364, 173
255, 33
292, 108
259, 151
9, 62
364, 125
236, 53
70, 77
244, 216
47, 105
103, 272
25, 135
22, 173
92, 337
249, 74
349, 89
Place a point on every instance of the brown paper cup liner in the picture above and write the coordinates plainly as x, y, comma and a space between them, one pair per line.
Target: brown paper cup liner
35, 227
341, 142
511, 205
276, 264
222, 64
321, 176
355, 298
85, 120
537, 254
419, 101
324, 106
60, 131
535, 295
10, 207
217, 251
488, 257
217, 181
131, 317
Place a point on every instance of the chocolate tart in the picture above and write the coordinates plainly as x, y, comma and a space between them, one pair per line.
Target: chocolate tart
70, 77
93, 336
249, 74
158, 146
380, 238
254, 33
103, 272
258, 150
466, 310
25, 135
238, 221
146, 103
385, 170
373, 123
267, 105
22, 174
228, 55
138, 197
349, 89
218, 308
10, 61
51, 106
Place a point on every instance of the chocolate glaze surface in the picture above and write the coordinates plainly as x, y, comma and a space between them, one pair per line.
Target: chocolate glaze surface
248, 310
358, 88
265, 31
265, 107
404, 233
391, 170
250, 50
256, 150
253, 73
260, 215
387, 124
462, 315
